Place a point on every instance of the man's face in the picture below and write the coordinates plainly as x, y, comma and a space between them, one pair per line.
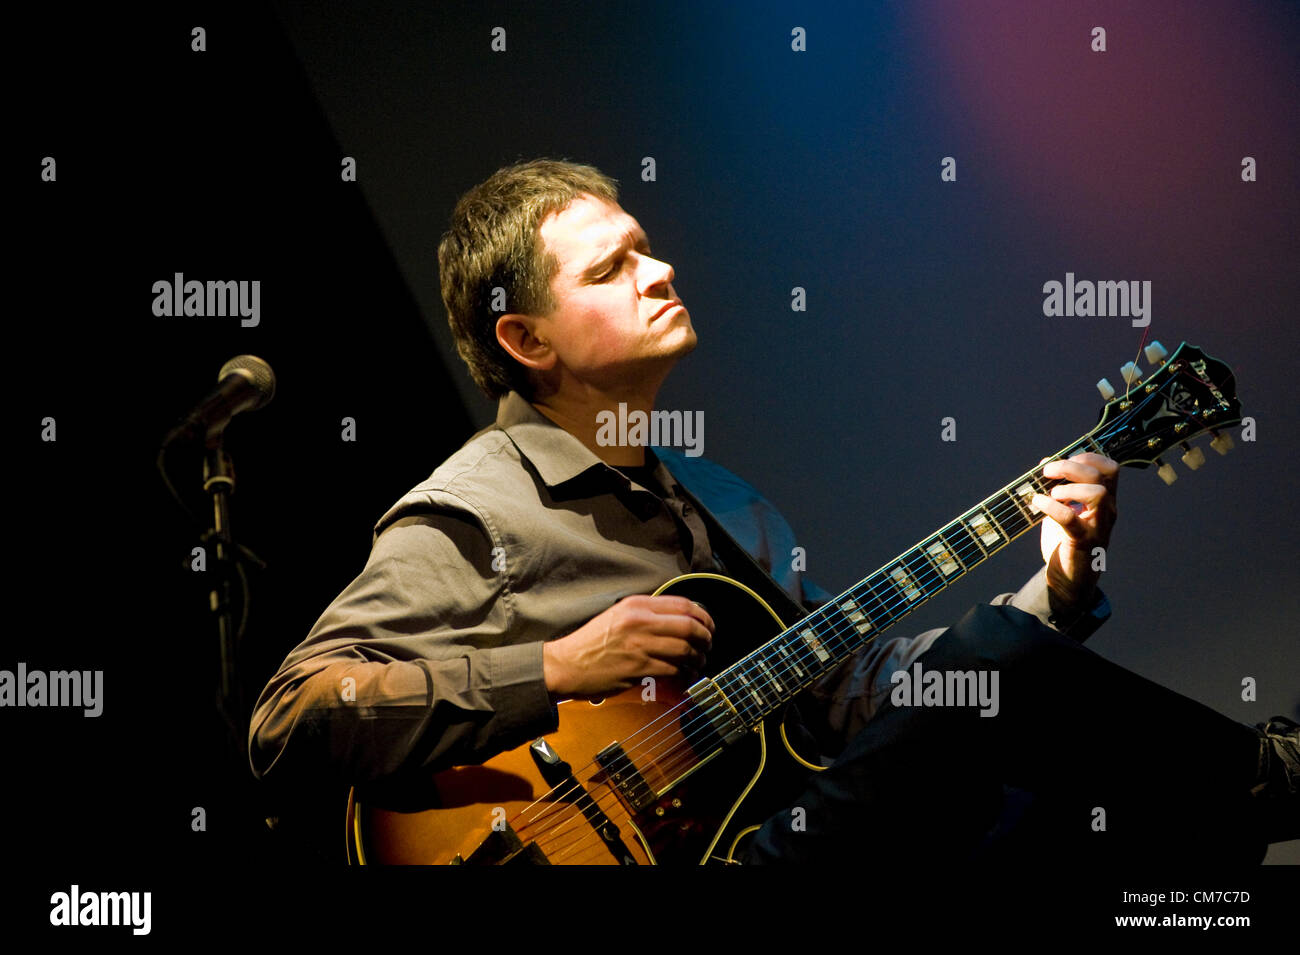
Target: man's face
617, 324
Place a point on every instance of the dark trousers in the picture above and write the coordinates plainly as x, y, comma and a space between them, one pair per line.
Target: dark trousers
1083, 762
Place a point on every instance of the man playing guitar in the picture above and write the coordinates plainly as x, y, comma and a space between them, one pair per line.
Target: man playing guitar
523, 572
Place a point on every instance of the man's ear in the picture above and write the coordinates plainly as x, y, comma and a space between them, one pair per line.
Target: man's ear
518, 335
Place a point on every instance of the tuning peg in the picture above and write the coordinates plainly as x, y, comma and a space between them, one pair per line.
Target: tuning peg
1222, 442
1155, 353
1106, 389
1167, 473
1194, 457
1132, 373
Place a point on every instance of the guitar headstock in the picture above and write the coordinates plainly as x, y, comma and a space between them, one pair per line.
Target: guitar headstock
1188, 394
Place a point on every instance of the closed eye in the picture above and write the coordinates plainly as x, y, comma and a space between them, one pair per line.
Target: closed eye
616, 265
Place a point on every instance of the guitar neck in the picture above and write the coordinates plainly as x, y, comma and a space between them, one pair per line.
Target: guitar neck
758, 684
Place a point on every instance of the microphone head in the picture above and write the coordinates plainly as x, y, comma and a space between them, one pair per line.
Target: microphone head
257, 372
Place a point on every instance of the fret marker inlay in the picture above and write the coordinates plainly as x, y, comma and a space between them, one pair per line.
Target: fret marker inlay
791, 662
752, 692
984, 529
855, 616
814, 644
780, 687
1026, 494
943, 559
905, 583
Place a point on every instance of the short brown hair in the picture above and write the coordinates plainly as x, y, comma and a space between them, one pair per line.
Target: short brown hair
494, 240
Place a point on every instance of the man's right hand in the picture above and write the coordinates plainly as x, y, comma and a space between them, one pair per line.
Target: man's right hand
639, 636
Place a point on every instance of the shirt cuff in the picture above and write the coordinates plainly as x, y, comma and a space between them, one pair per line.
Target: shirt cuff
518, 690
1078, 622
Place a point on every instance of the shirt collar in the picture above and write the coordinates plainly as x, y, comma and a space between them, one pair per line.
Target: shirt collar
557, 455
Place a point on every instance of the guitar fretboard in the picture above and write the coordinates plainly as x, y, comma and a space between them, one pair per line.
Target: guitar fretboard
755, 686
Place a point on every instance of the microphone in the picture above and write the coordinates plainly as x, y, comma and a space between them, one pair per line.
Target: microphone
245, 383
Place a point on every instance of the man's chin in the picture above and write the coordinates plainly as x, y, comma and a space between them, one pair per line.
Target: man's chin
690, 340
658, 367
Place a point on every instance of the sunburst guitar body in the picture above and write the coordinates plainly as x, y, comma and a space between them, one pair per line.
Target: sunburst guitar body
642, 777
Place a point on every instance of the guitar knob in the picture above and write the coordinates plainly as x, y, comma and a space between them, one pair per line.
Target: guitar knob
1132, 373
1222, 442
1194, 458
1106, 389
1155, 353
1167, 473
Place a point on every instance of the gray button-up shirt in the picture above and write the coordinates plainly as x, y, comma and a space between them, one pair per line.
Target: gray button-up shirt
432, 657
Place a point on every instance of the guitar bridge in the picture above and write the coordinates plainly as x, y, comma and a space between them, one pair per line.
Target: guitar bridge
504, 847
559, 775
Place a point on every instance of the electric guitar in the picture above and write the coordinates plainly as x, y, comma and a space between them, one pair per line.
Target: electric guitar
675, 774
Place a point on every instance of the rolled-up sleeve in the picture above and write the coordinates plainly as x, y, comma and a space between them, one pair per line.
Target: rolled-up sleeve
416, 664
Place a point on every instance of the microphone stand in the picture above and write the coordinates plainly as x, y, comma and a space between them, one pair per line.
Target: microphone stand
219, 483
245, 383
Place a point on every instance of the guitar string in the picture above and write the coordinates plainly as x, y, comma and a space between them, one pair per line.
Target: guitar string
870, 591
1011, 506
570, 833
580, 836
930, 570
1004, 507
842, 639
927, 581
573, 822
967, 550
1002, 512
1006, 504
1001, 499
1137, 358
875, 590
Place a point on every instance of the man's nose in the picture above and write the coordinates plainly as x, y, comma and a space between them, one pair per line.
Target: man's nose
655, 273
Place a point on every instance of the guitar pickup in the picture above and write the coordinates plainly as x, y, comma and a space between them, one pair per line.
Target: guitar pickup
625, 777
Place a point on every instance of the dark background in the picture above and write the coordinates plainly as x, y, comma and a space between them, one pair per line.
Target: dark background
775, 169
